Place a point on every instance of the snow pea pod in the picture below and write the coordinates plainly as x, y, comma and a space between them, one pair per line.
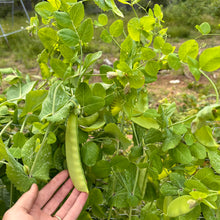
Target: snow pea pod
73, 159
89, 120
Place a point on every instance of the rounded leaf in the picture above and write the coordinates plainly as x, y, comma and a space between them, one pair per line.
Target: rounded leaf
181, 206
90, 153
189, 48
116, 28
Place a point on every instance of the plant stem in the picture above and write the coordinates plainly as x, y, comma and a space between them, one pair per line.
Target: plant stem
3, 162
134, 11
23, 124
180, 122
130, 213
11, 195
41, 147
135, 133
110, 212
213, 84
6, 126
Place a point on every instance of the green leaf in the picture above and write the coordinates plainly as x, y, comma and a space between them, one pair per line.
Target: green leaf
174, 61
55, 101
16, 174
198, 195
189, 48
19, 140
177, 179
83, 92
48, 37
147, 22
98, 90
198, 151
51, 138
91, 58
90, 104
134, 28
181, 154
90, 153
44, 9
116, 28
114, 7
68, 53
33, 102
128, 49
195, 214
39, 162
103, 19
114, 131
171, 141
209, 60
68, 37
152, 67
95, 197
15, 152
3, 152
158, 12
62, 19
77, 13
214, 156
136, 79
93, 104
194, 67
194, 184
58, 66
85, 30
204, 136
28, 150
147, 53
158, 42
208, 178
58, 159
167, 189
204, 28
208, 113
45, 71
101, 169
153, 136
181, 206
189, 139
145, 122
102, 4
119, 162
19, 91
55, 3
167, 48
105, 36
208, 213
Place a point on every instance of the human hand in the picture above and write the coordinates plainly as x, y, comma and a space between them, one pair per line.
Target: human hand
41, 205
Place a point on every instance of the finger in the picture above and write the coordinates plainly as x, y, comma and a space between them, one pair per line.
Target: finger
47, 192
68, 204
27, 200
60, 195
75, 211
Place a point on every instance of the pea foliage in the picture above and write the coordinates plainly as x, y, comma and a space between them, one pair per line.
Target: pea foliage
168, 169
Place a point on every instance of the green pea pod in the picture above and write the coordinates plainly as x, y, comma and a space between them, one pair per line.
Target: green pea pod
181, 206
73, 155
89, 120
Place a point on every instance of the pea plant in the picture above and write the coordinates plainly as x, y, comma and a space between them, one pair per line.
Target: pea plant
136, 162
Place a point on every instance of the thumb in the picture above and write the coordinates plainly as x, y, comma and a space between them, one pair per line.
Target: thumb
27, 200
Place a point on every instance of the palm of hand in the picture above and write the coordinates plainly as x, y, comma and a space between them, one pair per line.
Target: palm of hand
42, 205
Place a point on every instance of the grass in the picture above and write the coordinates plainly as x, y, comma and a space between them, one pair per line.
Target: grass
22, 49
